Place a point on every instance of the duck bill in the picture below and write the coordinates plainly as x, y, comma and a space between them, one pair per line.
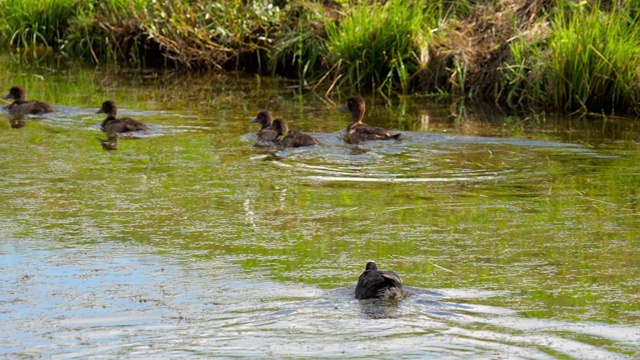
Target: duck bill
8, 96
343, 107
101, 111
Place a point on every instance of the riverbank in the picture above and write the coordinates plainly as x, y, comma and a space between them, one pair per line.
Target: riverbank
522, 55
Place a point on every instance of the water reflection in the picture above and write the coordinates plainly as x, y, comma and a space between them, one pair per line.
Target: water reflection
17, 121
111, 143
379, 309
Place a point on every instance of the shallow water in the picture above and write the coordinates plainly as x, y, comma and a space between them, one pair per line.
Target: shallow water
517, 237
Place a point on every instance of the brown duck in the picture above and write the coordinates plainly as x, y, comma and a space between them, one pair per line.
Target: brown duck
373, 283
358, 131
21, 106
265, 120
114, 125
291, 138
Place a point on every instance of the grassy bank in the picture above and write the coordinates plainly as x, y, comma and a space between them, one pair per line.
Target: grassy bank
557, 55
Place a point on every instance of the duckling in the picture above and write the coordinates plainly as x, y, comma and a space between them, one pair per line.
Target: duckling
358, 131
114, 125
265, 120
21, 106
291, 138
373, 283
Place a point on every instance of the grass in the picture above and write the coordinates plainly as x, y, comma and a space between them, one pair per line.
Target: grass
588, 62
559, 55
31, 22
379, 47
222, 35
300, 49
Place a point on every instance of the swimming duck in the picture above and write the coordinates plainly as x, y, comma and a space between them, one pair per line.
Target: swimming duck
265, 120
358, 131
291, 138
113, 125
21, 106
373, 283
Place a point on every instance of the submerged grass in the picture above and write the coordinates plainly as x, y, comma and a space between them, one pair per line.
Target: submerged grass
523, 55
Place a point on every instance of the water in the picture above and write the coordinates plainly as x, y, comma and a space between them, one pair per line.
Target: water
517, 238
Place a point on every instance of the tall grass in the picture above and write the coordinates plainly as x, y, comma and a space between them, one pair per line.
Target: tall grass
300, 48
590, 62
379, 46
27, 23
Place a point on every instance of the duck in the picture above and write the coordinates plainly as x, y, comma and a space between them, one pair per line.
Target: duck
114, 125
291, 138
358, 131
377, 284
265, 119
21, 106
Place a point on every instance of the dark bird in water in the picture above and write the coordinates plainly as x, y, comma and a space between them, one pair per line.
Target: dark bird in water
265, 120
21, 106
114, 125
291, 138
358, 131
373, 283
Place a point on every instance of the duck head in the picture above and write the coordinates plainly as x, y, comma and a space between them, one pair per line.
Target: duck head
356, 106
263, 118
16, 93
109, 107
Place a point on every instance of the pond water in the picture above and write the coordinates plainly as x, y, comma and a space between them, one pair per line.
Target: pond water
516, 237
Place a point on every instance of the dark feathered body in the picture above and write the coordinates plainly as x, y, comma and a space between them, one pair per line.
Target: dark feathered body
291, 138
114, 125
265, 120
21, 106
373, 283
358, 131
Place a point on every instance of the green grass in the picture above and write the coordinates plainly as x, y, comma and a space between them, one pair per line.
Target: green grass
589, 63
28, 23
300, 49
379, 47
